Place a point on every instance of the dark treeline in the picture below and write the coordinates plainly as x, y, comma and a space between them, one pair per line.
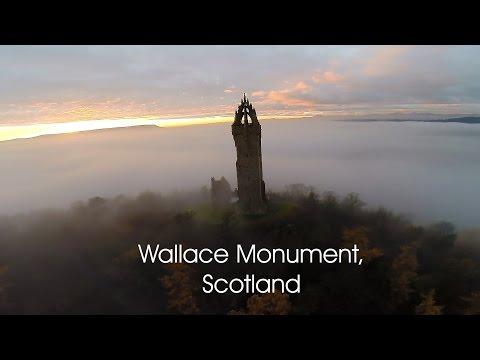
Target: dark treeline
85, 260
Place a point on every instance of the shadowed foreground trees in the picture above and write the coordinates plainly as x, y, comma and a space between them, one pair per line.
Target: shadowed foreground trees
428, 305
266, 304
85, 260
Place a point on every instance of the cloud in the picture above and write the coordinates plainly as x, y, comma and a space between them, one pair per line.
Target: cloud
230, 90
68, 83
302, 86
291, 96
288, 98
258, 93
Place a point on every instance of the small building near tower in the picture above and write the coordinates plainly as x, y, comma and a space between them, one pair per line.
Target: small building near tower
247, 134
221, 192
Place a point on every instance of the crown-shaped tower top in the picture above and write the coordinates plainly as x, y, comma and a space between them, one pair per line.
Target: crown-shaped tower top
245, 114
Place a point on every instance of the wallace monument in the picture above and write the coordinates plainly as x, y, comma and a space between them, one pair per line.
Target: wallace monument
247, 134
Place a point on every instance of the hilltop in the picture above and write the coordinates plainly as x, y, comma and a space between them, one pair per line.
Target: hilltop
407, 269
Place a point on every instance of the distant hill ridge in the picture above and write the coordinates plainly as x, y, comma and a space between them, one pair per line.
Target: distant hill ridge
462, 120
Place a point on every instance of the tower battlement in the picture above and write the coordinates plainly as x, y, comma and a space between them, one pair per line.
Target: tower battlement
247, 134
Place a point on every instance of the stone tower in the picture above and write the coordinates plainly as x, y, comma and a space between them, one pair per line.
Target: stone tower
221, 192
247, 134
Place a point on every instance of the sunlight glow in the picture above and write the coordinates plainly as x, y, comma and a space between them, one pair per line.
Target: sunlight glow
34, 130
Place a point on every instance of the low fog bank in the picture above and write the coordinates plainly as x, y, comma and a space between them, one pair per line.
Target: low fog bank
428, 171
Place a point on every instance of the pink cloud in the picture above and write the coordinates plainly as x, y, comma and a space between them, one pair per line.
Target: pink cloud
287, 97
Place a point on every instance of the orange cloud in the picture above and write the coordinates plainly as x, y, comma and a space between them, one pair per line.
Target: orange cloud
302, 86
101, 109
285, 97
288, 96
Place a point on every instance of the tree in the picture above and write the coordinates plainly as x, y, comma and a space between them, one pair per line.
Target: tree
179, 286
473, 304
359, 236
428, 306
297, 191
352, 202
3, 286
403, 272
267, 304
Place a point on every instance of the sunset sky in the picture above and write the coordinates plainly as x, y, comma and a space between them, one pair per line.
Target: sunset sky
58, 89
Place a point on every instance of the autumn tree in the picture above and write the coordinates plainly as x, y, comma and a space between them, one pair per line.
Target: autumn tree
266, 304
403, 272
359, 236
428, 305
179, 286
473, 304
